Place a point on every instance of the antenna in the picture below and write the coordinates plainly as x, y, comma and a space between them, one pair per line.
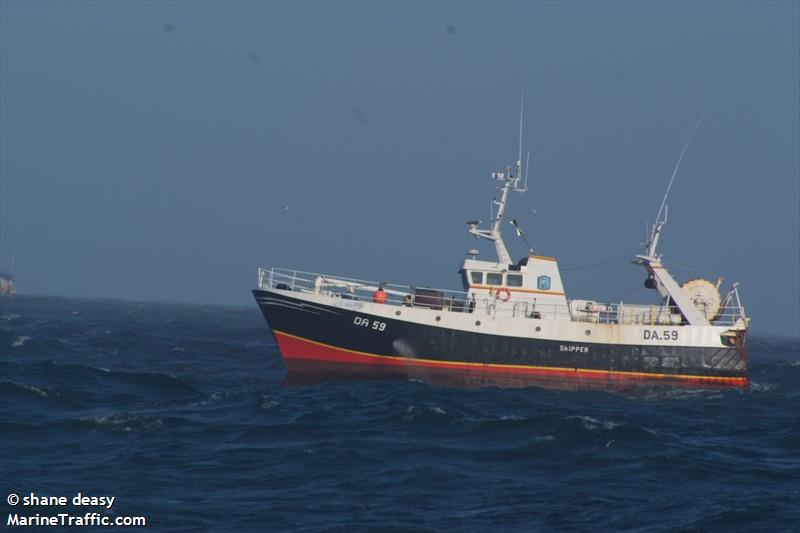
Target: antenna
521, 109
527, 167
518, 174
653, 242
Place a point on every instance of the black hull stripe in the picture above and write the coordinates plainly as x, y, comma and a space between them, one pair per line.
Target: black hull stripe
440, 362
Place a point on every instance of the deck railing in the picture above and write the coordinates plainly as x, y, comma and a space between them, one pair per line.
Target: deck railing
345, 291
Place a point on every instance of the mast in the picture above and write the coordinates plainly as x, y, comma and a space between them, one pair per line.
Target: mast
494, 234
666, 285
511, 182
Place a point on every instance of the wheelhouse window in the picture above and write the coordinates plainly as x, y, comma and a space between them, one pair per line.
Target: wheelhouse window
543, 283
476, 278
514, 280
494, 279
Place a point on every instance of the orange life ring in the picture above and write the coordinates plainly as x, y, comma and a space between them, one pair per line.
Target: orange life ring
503, 295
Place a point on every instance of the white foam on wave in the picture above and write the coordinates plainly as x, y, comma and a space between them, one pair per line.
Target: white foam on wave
762, 387
127, 422
224, 395
266, 405
267, 402
414, 411
593, 423
41, 392
681, 394
21, 340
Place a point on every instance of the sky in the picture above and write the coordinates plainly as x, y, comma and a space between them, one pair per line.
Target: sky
165, 150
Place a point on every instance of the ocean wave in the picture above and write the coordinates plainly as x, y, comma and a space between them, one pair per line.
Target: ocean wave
416, 412
22, 397
125, 422
150, 380
42, 393
593, 424
268, 402
84, 385
677, 394
762, 387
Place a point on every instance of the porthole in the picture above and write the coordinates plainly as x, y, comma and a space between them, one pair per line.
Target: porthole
477, 322
438, 318
538, 328
397, 313
588, 332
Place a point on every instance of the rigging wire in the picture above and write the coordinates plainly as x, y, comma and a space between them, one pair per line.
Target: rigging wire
680, 266
750, 336
592, 265
619, 299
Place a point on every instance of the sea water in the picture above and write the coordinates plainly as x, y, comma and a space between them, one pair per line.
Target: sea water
178, 413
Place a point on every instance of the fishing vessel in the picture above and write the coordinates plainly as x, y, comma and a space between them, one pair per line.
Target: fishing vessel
512, 325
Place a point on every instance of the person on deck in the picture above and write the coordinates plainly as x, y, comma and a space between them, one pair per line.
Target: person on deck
379, 296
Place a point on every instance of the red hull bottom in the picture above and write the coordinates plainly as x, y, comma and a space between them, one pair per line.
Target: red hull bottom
311, 362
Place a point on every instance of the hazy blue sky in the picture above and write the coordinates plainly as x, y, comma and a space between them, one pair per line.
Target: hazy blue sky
147, 148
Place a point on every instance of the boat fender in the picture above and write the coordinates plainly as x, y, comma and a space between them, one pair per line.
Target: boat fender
503, 295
